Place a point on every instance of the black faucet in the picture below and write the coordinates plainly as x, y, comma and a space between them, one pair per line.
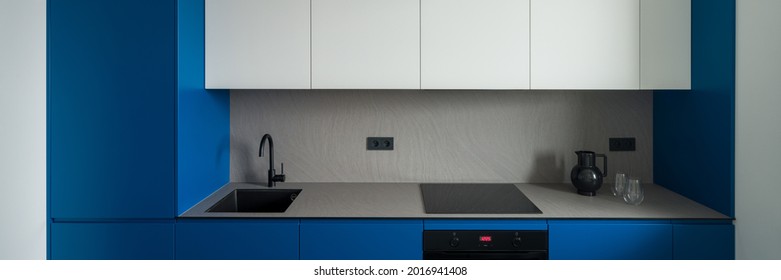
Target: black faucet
273, 178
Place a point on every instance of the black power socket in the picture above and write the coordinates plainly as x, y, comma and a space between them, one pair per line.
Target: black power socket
622, 144
379, 143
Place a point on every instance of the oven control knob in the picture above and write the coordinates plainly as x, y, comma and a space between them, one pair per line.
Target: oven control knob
517, 242
454, 242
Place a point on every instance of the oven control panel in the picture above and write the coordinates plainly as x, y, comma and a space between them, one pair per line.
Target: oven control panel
480, 240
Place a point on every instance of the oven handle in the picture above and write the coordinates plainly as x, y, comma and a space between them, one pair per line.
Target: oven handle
485, 255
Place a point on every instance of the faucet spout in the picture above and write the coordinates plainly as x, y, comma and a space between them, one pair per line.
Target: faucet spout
273, 177
270, 149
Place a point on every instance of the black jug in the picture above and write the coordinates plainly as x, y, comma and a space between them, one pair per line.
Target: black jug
586, 177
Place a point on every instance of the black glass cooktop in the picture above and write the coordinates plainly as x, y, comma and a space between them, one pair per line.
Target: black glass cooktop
476, 199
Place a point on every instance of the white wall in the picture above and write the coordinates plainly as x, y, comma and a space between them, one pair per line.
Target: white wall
758, 130
22, 129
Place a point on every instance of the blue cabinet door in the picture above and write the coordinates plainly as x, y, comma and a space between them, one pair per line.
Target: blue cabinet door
112, 108
610, 240
112, 241
237, 239
704, 241
361, 239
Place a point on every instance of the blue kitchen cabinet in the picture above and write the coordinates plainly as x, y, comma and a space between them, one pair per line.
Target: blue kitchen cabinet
112, 83
112, 240
228, 239
119, 73
702, 240
610, 240
360, 239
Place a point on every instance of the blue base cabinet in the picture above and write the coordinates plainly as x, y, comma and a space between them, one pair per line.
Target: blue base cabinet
704, 241
237, 239
358, 239
610, 240
112, 241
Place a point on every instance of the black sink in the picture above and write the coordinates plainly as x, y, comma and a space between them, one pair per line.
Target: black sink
256, 200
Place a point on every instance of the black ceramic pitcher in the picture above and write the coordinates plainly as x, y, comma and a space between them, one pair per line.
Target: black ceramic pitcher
586, 177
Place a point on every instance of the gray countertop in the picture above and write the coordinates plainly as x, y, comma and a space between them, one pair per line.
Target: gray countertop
404, 200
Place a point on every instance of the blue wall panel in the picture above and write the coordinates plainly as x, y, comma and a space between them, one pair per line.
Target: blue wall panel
112, 241
694, 131
229, 239
203, 136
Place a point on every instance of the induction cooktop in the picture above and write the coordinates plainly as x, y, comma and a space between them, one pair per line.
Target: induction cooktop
476, 199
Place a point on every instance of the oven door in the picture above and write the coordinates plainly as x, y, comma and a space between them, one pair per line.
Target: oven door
485, 255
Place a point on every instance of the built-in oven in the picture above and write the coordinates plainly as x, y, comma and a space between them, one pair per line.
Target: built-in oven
485, 245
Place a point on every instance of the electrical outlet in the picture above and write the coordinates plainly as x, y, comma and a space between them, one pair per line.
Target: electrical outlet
379, 143
622, 144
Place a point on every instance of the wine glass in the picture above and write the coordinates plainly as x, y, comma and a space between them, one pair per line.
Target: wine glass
620, 185
634, 192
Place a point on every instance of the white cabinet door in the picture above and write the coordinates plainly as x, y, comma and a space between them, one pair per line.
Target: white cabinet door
585, 44
366, 44
665, 38
257, 44
474, 44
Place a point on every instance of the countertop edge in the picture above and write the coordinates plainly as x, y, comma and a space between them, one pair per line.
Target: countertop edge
556, 200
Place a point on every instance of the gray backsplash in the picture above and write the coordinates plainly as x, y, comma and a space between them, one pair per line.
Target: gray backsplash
440, 136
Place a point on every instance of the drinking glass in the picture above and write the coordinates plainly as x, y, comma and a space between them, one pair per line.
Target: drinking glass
633, 194
620, 185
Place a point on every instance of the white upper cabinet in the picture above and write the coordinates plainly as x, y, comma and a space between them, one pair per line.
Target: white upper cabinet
474, 44
448, 44
257, 44
585, 44
366, 44
665, 44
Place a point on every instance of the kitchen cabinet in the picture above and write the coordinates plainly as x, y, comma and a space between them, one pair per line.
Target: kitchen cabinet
665, 44
474, 44
585, 44
365, 44
610, 44
699, 240
446, 44
112, 240
230, 239
257, 44
125, 98
361, 239
610, 240
112, 109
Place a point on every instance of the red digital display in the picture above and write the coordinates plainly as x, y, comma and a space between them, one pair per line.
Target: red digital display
485, 238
